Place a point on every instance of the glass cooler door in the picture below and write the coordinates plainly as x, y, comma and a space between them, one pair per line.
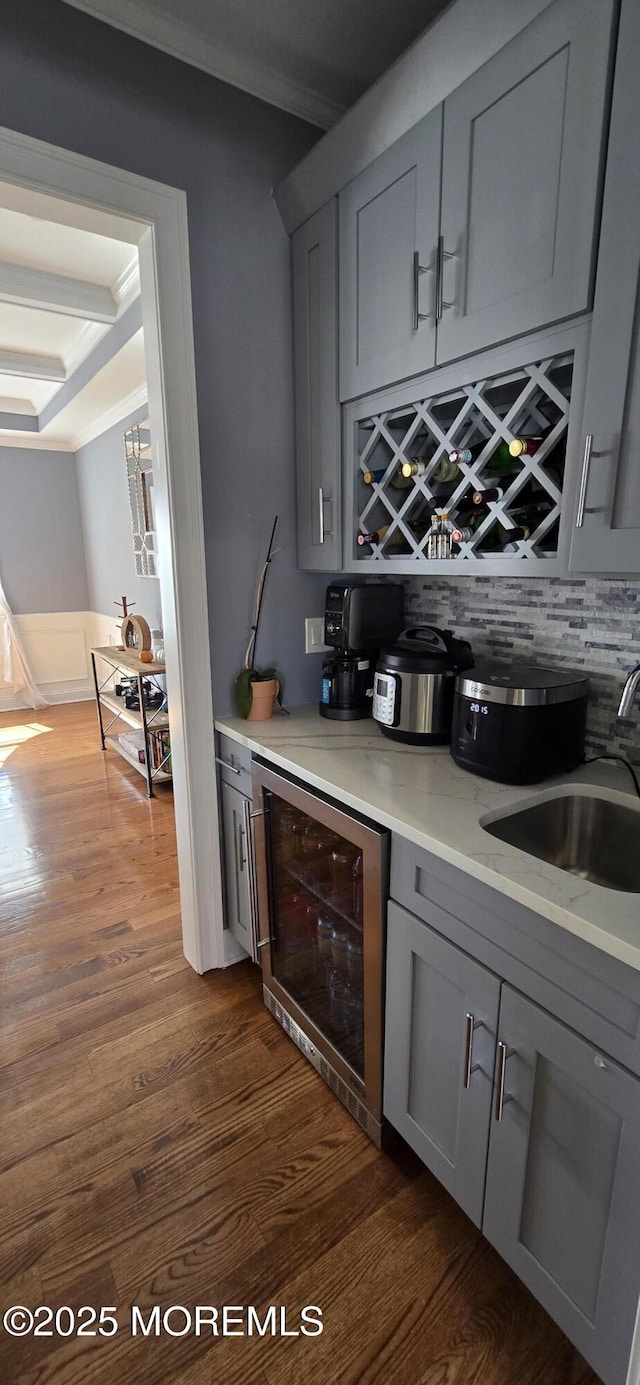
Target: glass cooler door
317, 947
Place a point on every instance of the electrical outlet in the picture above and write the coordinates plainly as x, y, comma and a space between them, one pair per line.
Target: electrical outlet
314, 635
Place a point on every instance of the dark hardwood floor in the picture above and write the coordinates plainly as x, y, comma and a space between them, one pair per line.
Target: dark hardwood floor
163, 1143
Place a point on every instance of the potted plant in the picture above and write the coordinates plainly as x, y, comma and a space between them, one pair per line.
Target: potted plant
256, 691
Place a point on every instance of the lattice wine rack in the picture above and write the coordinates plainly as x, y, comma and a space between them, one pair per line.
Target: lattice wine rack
530, 402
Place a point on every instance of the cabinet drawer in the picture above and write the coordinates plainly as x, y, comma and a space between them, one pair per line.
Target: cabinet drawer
592, 992
234, 761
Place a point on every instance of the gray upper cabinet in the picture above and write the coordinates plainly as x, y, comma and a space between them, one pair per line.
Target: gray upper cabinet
520, 180
442, 1011
607, 534
561, 1199
388, 260
318, 462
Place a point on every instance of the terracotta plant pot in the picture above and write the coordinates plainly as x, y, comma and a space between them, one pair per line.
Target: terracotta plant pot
263, 696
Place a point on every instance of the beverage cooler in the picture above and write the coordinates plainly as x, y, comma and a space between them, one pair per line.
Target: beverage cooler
321, 877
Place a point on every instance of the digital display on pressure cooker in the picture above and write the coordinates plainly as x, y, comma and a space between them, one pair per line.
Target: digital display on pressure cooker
383, 699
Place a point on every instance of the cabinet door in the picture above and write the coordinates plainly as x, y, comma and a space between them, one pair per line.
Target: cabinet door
318, 472
561, 1200
520, 180
442, 1011
236, 868
388, 251
607, 538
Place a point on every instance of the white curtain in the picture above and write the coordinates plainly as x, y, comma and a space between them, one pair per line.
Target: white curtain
14, 669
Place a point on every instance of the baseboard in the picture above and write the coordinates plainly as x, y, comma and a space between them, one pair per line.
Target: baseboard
58, 647
81, 690
233, 952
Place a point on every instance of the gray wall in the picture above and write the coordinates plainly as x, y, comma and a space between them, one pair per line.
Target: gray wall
41, 552
70, 80
106, 524
588, 623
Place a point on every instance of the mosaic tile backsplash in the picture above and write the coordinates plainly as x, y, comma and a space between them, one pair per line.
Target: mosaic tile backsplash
588, 623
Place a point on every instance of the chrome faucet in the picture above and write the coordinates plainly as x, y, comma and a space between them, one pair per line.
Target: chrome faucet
629, 692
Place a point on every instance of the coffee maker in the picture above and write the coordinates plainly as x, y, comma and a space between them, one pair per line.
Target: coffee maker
357, 621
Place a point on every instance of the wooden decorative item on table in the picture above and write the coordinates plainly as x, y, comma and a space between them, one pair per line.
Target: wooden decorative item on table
136, 634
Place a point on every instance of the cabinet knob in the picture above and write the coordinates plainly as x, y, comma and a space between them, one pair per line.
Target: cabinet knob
599, 1062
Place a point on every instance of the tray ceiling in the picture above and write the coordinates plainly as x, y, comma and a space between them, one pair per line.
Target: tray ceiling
64, 296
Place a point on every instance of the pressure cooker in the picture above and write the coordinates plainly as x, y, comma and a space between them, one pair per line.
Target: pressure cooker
414, 684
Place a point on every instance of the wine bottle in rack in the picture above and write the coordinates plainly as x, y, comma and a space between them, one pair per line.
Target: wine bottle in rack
499, 460
532, 492
397, 539
512, 538
398, 480
374, 536
496, 537
525, 446
466, 526
415, 468
533, 513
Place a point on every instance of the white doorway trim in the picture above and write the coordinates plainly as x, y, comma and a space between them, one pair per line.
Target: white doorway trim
154, 216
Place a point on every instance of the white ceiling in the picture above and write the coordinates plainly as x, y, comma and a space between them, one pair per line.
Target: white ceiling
311, 57
81, 282
28, 240
114, 391
35, 331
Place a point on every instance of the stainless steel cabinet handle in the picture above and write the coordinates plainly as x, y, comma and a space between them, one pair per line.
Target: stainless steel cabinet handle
418, 269
502, 1062
443, 255
584, 479
322, 501
468, 1050
220, 761
247, 817
241, 859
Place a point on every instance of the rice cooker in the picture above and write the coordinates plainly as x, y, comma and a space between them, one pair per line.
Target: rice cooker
519, 723
414, 683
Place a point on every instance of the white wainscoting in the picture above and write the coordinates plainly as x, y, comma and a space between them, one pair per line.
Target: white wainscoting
57, 645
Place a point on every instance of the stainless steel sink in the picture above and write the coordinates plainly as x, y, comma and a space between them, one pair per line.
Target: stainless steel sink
594, 838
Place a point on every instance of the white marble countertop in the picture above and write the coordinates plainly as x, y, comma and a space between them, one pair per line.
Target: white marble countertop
419, 792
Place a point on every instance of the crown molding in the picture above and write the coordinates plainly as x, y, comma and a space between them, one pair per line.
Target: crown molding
127, 286
25, 407
39, 442
84, 344
34, 442
31, 367
37, 288
115, 414
180, 41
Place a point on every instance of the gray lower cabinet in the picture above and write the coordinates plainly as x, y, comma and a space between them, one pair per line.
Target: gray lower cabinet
532, 1128
442, 1019
388, 263
607, 534
521, 164
236, 866
318, 458
562, 1205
